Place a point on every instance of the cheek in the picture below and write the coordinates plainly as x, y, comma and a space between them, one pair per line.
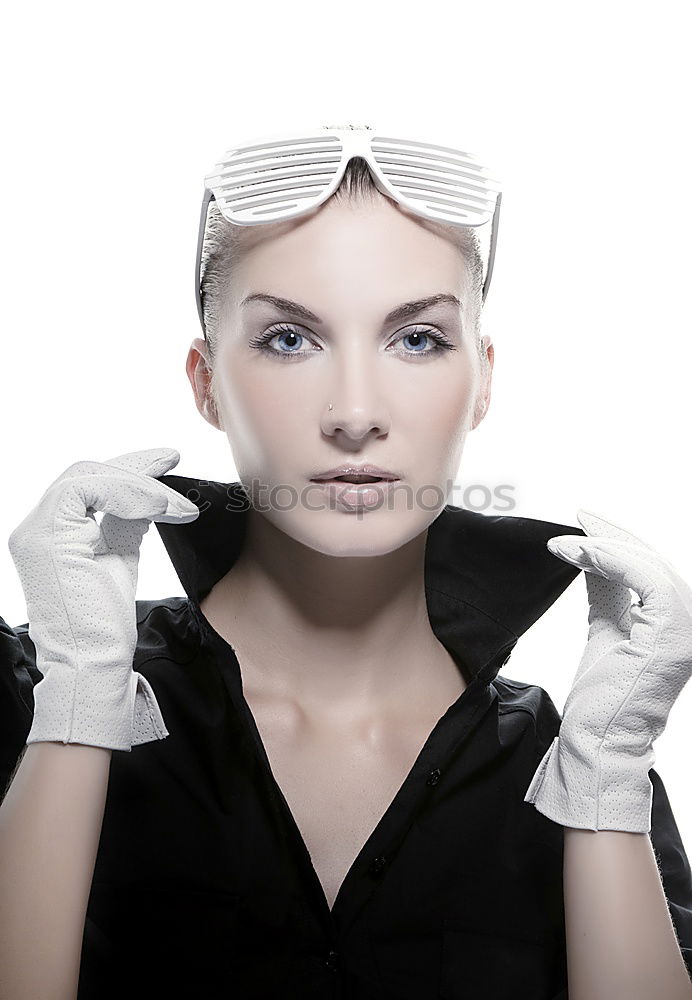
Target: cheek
261, 412
442, 406
438, 423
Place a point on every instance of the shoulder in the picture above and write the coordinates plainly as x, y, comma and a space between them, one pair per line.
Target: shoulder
166, 630
18, 672
164, 617
166, 627
525, 706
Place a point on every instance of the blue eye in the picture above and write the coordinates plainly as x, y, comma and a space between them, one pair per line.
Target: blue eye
292, 335
421, 335
284, 330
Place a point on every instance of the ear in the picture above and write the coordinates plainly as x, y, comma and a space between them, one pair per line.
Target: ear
487, 352
199, 371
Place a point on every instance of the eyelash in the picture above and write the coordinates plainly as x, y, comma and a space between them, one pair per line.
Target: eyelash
262, 342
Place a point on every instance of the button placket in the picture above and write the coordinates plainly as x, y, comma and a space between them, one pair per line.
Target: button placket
332, 960
377, 866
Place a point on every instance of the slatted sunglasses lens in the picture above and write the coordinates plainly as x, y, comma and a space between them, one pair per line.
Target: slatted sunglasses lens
436, 181
276, 180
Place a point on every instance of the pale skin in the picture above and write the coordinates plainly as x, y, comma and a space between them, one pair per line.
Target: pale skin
340, 699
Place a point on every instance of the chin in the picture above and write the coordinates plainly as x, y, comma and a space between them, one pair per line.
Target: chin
373, 533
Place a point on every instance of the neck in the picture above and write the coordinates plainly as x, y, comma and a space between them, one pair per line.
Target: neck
322, 628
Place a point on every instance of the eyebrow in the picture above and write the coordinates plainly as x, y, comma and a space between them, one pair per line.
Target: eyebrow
403, 311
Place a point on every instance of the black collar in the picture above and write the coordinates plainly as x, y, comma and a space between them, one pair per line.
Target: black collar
488, 578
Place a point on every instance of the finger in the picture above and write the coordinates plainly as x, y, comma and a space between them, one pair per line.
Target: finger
609, 606
153, 462
122, 536
609, 600
633, 566
665, 599
123, 494
593, 524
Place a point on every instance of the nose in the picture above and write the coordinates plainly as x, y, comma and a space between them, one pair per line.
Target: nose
359, 407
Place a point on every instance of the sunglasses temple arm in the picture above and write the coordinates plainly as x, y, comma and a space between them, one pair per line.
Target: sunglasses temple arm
200, 240
493, 242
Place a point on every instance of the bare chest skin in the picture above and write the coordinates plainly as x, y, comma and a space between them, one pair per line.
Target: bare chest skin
339, 777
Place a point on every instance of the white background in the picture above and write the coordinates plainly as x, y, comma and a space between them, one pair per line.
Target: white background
113, 114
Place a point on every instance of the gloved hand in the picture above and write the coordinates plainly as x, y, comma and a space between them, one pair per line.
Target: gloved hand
637, 660
79, 580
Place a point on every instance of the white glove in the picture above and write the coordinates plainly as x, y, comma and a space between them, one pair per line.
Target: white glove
638, 658
79, 580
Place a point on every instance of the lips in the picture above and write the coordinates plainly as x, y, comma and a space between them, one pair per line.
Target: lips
356, 474
353, 479
356, 492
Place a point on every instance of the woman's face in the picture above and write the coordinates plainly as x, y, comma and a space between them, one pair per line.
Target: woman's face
401, 400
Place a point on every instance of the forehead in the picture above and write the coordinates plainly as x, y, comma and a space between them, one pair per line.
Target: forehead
352, 245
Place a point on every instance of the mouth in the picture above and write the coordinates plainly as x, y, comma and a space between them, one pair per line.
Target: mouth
354, 479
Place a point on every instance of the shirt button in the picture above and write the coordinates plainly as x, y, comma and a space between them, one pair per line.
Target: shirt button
378, 865
332, 960
433, 777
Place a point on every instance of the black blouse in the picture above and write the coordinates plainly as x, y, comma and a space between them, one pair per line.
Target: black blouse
203, 884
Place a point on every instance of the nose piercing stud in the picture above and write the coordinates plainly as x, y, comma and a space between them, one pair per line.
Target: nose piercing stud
331, 407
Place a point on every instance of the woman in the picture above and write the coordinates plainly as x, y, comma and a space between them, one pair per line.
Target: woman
325, 794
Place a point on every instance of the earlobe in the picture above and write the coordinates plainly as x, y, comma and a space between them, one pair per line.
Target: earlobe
483, 400
480, 411
211, 412
200, 376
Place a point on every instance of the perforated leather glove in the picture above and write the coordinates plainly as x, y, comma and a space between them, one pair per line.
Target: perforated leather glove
79, 580
638, 658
